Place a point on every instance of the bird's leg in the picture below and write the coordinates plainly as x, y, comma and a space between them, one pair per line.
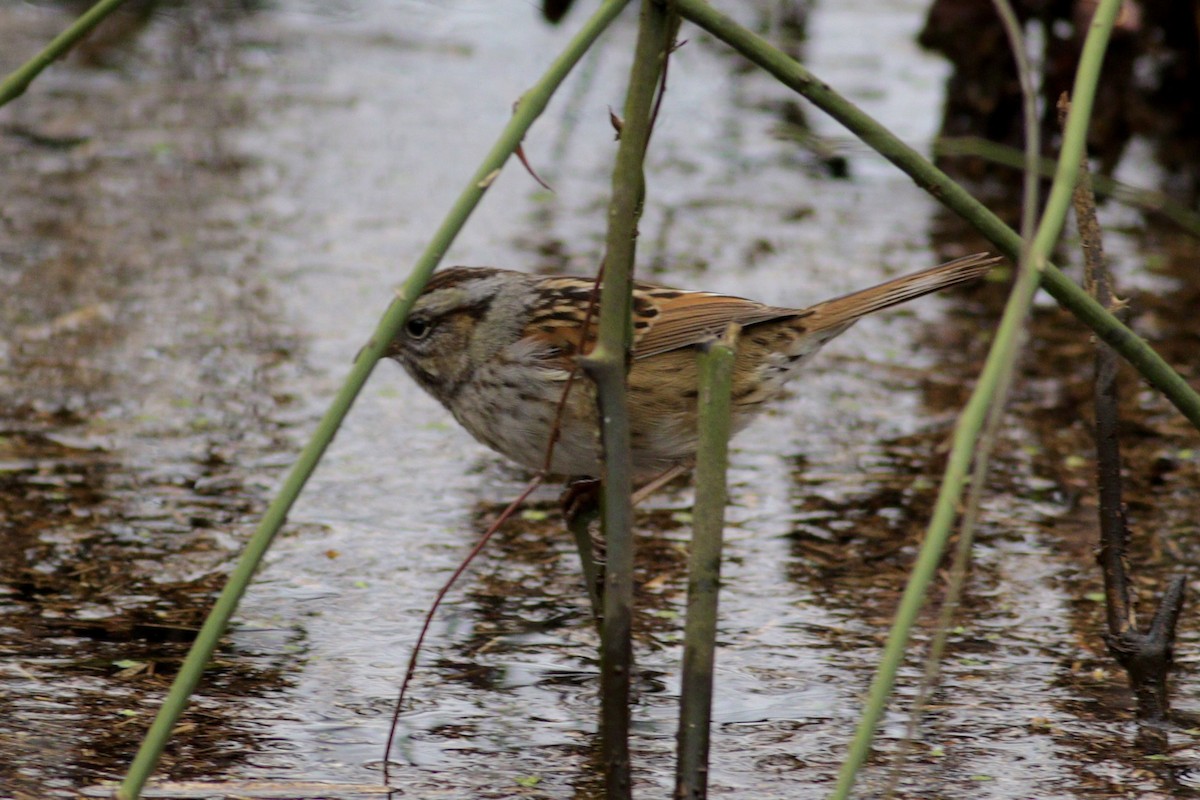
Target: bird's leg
580, 506
582, 495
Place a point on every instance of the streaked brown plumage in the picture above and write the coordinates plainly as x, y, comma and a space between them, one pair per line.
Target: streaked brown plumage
496, 347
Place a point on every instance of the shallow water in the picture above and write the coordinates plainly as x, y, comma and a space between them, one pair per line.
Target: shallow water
202, 230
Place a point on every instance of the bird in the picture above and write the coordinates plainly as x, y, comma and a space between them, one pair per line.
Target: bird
498, 348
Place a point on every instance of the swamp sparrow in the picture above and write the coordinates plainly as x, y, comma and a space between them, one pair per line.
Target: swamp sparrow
497, 348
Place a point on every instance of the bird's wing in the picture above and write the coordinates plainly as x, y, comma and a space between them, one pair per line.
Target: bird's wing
670, 319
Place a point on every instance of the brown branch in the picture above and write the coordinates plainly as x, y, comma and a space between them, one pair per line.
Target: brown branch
437, 602
1114, 532
1146, 657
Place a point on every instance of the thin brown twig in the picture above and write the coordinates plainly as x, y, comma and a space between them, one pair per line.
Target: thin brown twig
591, 308
555, 434
579, 517
589, 314
1145, 657
535, 482
487, 535
519, 152
1114, 529
662, 80
556, 428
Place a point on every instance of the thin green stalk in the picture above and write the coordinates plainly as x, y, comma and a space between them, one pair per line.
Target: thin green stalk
17, 81
986, 399
580, 525
1083, 95
704, 570
1004, 350
530, 106
1005, 346
1068, 294
998, 400
1029, 186
606, 365
1136, 197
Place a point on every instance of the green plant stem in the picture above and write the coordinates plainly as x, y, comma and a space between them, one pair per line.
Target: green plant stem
1006, 345
1083, 95
1003, 352
1068, 294
580, 525
1029, 183
704, 570
530, 106
1144, 199
987, 397
17, 81
606, 365
998, 399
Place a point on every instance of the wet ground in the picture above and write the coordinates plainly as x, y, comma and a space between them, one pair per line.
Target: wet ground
205, 212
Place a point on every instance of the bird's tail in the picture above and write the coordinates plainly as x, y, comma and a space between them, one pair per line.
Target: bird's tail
841, 312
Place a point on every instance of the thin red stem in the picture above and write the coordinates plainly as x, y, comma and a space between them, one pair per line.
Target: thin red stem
437, 601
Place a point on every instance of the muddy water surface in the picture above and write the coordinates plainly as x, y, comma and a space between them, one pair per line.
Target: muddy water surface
204, 215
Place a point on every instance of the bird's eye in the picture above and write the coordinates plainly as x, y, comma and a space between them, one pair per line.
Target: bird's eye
417, 328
